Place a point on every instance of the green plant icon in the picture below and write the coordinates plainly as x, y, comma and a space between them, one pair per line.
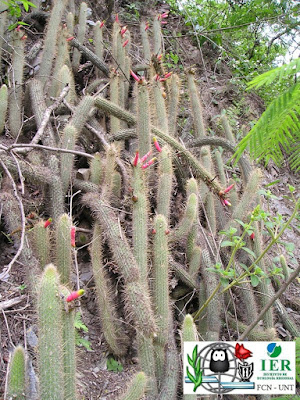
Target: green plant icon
195, 363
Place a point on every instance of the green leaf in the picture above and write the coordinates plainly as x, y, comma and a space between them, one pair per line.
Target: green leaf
249, 251
78, 324
198, 381
224, 281
190, 361
254, 280
273, 183
190, 376
195, 353
227, 243
113, 365
198, 366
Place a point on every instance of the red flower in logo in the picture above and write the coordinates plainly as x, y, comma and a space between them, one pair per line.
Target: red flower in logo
241, 353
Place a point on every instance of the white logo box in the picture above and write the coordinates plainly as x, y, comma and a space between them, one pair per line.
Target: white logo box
261, 368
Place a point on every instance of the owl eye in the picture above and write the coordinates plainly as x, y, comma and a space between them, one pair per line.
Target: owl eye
218, 355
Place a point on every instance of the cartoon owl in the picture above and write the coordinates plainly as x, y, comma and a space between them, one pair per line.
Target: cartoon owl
219, 361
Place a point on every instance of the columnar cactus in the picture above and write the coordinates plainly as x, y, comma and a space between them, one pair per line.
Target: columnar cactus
80, 35
50, 347
136, 388
16, 383
199, 131
63, 248
161, 290
15, 109
112, 329
49, 50
41, 239
173, 102
3, 105
165, 183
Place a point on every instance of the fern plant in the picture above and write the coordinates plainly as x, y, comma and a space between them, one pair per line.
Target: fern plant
278, 128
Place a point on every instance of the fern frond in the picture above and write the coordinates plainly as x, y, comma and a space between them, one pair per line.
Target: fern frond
278, 128
276, 74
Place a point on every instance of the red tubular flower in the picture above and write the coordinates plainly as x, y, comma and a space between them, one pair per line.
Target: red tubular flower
125, 43
162, 79
241, 353
156, 78
70, 38
147, 26
136, 159
167, 231
147, 164
101, 24
159, 17
74, 295
163, 22
153, 231
73, 230
48, 222
252, 236
168, 75
227, 203
117, 18
123, 30
135, 77
24, 37
165, 15
144, 158
228, 189
156, 144
18, 28
159, 57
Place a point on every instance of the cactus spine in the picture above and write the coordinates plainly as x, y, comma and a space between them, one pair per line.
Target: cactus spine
16, 92
111, 327
17, 375
161, 290
50, 350
3, 106
63, 248
160, 107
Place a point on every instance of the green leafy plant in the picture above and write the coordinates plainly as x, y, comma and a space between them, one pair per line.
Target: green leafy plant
278, 129
195, 363
15, 10
80, 326
114, 365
